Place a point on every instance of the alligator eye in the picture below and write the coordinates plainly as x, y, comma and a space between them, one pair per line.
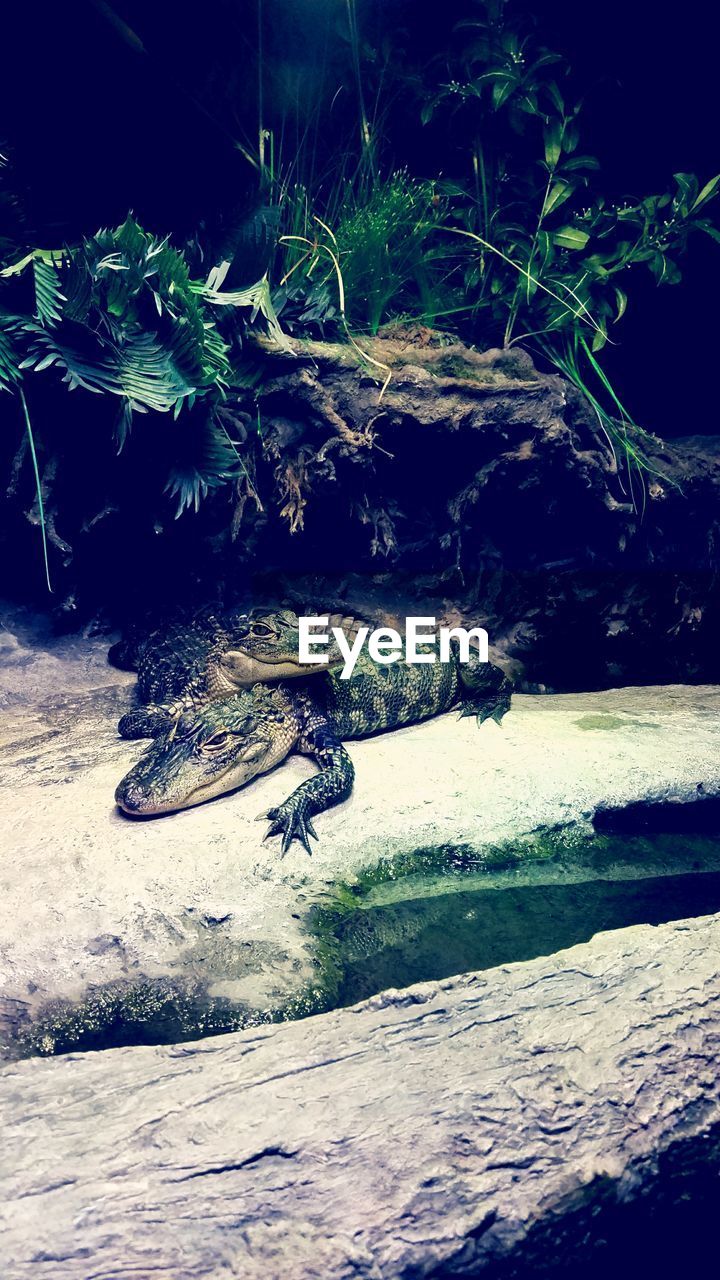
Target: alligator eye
218, 740
260, 629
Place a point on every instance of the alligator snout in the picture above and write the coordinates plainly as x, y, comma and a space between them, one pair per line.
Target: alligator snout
132, 796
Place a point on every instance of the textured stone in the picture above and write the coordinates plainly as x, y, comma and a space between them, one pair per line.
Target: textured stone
493, 1124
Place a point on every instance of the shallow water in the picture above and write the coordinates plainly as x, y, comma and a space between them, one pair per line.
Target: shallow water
429, 938
394, 931
427, 916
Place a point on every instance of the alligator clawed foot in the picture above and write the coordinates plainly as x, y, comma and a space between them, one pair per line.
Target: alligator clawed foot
290, 820
495, 711
489, 709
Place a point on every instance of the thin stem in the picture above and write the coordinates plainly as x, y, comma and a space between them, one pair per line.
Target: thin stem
38, 485
583, 314
261, 129
365, 134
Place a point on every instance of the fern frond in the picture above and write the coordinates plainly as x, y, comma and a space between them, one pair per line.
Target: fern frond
10, 353
48, 297
207, 460
257, 297
142, 370
56, 256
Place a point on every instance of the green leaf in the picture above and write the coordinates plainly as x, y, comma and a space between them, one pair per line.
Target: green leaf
557, 195
687, 192
36, 255
10, 374
600, 337
596, 263
552, 134
571, 137
707, 193
621, 298
709, 230
207, 459
142, 369
570, 238
502, 91
123, 424
38, 483
258, 298
555, 97
545, 59
580, 162
16, 268
664, 269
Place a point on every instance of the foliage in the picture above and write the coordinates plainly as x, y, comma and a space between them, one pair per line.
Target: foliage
552, 254
120, 316
514, 241
388, 253
525, 248
550, 247
382, 245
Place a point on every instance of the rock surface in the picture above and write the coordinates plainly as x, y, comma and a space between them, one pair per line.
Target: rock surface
90, 898
499, 1123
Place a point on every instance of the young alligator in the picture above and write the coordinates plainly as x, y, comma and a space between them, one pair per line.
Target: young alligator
225, 744
185, 664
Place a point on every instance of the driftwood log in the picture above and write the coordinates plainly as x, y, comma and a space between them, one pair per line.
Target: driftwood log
420, 476
555, 1119
491, 491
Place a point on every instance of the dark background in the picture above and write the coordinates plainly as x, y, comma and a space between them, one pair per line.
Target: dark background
99, 125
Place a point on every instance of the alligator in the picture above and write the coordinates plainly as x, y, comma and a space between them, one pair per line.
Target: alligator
222, 745
186, 663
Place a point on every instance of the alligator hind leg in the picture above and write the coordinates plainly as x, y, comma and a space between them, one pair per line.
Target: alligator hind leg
485, 690
147, 722
124, 654
292, 818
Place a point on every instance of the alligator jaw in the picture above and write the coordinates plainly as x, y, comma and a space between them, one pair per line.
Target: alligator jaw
246, 664
137, 804
242, 670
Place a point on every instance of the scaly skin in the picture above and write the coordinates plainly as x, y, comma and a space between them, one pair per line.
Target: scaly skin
225, 744
185, 665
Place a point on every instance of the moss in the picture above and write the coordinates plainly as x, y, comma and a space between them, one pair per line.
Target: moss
149, 1011
453, 365
604, 721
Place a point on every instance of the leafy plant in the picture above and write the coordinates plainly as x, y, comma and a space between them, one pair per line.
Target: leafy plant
382, 241
526, 248
388, 253
515, 241
120, 315
551, 255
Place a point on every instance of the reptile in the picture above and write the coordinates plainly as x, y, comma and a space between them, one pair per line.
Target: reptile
222, 745
189, 662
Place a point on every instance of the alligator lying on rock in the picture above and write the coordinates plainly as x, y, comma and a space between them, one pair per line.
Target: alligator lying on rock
221, 745
185, 664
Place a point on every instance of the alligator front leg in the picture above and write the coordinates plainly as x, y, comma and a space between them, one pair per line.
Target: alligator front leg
485, 690
334, 783
148, 721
